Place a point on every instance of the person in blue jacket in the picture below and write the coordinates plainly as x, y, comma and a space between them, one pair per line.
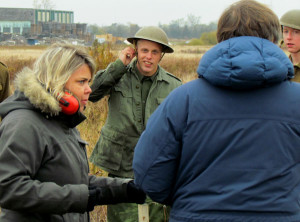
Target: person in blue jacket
226, 146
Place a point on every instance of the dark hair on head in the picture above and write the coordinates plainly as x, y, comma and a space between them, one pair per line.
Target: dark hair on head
248, 18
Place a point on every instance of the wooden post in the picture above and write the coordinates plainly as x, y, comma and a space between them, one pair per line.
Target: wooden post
143, 210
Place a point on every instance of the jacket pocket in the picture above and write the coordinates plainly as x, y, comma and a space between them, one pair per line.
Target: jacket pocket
110, 147
124, 90
114, 150
121, 99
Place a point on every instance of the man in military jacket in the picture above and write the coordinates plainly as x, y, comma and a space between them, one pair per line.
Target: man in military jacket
290, 23
136, 85
4, 82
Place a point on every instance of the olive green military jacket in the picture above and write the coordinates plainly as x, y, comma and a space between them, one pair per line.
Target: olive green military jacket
124, 125
296, 71
4, 82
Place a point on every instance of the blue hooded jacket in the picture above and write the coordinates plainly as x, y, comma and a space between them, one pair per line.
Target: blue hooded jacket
226, 146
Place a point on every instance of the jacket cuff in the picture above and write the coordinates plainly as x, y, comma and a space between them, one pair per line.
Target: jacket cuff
82, 199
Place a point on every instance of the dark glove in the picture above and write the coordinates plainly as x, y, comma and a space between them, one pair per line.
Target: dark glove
135, 194
124, 193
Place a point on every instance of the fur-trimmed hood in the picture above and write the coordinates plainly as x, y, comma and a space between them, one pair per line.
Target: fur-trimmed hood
30, 94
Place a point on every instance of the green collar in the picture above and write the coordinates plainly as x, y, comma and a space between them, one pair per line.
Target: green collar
297, 65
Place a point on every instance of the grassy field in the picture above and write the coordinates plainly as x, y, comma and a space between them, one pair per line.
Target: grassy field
183, 63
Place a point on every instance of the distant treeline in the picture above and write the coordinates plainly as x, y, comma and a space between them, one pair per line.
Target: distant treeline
184, 28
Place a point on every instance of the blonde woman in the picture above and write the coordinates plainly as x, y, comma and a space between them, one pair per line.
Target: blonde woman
43, 161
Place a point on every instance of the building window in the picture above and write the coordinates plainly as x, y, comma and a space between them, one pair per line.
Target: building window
43, 16
17, 30
6, 29
39, 16
47, 16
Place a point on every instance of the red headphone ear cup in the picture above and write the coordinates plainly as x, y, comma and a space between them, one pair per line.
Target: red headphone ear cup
69, 104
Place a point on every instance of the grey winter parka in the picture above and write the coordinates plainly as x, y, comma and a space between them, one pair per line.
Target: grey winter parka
43, 160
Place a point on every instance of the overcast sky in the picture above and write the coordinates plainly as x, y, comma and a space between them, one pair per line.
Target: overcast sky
147, 12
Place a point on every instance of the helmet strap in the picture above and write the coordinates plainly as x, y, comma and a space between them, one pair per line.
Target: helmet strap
135, 50
162, 56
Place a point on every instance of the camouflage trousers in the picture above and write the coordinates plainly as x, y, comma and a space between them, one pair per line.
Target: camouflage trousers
128, 212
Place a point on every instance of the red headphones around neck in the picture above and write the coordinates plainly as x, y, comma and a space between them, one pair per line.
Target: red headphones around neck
69, 104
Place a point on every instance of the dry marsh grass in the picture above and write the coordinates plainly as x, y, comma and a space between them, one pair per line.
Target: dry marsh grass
188, 51
21, 51
183, 64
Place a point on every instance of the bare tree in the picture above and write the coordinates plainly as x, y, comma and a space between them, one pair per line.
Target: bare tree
193, 20
43, 4
36, 4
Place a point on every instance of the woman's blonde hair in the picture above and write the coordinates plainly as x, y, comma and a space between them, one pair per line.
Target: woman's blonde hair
248, 18
57, 63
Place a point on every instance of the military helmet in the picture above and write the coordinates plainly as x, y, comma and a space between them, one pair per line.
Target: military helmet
154, 34
291, 19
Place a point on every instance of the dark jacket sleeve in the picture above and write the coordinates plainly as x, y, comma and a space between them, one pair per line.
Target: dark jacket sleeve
95, 181
22, 146
106, 79
157, 152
